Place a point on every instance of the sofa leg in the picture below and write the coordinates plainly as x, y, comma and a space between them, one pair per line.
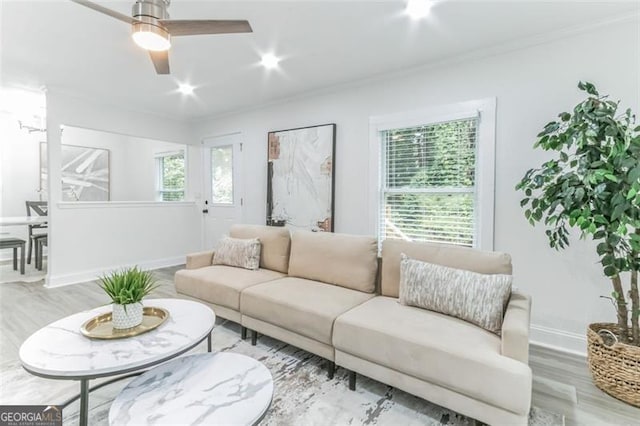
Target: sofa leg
254, 337
331, 367
243, 333
352, 380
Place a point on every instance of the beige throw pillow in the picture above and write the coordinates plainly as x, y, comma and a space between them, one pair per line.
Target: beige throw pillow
480, 299
238, 252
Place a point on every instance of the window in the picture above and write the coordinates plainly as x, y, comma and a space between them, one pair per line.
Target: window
170, 176
222, 174
436, 178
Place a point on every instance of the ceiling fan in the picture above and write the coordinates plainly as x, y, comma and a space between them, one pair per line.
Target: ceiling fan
152, 28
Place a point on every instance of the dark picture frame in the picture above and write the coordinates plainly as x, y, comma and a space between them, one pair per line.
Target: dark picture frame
301, 177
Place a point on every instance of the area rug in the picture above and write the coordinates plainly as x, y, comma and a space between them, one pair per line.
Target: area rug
303, 394
32, 275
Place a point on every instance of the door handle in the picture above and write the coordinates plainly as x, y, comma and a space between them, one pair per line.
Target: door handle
206, 207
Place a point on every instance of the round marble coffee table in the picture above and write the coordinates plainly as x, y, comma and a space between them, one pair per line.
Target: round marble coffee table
60, 351
204, 389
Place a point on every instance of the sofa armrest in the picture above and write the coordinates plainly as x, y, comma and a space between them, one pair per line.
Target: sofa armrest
199, 260
515, 327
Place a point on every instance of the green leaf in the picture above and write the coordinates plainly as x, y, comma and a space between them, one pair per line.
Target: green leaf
600, 219
618, 211
602, 248
634, 174
613, 240
610, 271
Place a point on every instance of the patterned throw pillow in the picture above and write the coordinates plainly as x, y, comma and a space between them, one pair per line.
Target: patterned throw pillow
237, 252
477, 298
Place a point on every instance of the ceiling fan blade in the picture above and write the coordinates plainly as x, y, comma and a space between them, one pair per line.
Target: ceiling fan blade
160, 61
204, 26
106, 11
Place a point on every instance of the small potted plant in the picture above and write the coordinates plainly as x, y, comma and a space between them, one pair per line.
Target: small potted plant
592, 184
126, 288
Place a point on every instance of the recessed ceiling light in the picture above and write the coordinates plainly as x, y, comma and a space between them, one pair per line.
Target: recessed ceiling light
185, 89
269, 61
418, 9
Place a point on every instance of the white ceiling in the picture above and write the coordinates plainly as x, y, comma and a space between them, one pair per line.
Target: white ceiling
60, 44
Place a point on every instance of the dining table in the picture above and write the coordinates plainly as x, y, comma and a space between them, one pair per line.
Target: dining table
23, 220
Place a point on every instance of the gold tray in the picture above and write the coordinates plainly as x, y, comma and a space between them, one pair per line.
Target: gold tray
101, 327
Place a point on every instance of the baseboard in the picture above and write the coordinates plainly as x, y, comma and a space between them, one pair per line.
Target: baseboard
559, 340
53, 281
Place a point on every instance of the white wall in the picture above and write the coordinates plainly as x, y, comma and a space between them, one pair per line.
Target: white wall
532, 85
87, 240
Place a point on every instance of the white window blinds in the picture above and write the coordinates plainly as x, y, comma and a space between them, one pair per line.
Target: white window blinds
429, 183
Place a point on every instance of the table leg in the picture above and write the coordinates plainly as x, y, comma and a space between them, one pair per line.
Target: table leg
84, 402
22, 259
209, 343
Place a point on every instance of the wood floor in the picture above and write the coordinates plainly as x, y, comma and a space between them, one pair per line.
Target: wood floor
561, 383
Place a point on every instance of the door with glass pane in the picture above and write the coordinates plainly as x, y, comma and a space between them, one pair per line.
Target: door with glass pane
222, 186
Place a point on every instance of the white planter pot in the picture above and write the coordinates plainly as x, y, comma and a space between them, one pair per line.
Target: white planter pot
127, 318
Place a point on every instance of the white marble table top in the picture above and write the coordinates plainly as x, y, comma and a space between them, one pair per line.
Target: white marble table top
22, 220
205, 389
60, 351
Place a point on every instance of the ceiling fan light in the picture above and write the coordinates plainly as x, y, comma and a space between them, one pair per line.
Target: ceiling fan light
151, 37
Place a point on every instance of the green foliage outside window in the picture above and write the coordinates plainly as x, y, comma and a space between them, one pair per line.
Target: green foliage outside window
172, 177
429, 182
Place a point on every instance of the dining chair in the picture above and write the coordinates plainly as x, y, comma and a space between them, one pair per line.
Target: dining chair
40, 244
15, 244
36, 208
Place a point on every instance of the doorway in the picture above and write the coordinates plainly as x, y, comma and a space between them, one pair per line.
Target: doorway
223, 191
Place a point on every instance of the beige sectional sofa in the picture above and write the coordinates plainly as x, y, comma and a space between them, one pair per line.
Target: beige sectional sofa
325, 293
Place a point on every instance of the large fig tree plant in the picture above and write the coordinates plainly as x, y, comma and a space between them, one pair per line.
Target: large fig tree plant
593, 184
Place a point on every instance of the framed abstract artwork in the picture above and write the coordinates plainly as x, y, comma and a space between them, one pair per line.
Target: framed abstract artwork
84, 173
301, 178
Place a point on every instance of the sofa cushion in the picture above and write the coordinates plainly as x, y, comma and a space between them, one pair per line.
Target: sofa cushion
436, 348
346, 260
275, 241
303, 306
483, 262
243, 253
221, 284
480, 299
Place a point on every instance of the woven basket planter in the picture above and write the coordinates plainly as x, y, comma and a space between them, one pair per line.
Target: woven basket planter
616, 368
